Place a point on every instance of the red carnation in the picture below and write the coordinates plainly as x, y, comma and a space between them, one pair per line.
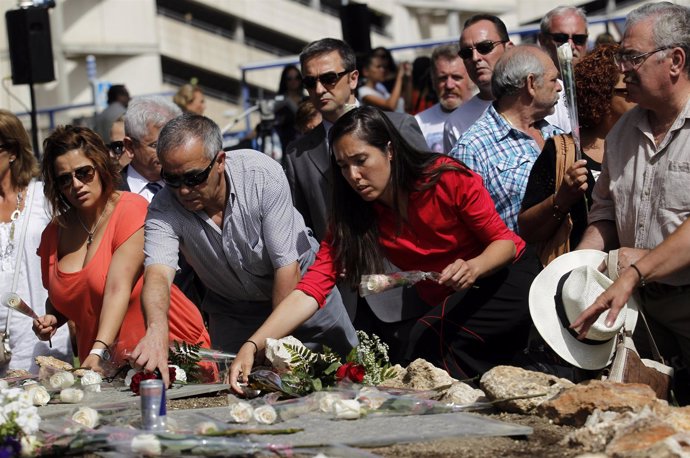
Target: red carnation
352, 371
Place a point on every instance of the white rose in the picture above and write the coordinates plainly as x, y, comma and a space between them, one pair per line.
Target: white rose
180, 374
71, 395
278, 355
128, 377
241, 412
346, 409
146, 444
91, 381
326, 401
86, 416
61, 380
266, 415
39, 395
206, 427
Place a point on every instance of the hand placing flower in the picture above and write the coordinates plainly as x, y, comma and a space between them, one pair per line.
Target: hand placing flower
353, 372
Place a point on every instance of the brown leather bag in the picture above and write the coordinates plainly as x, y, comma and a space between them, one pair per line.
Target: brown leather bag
559, 243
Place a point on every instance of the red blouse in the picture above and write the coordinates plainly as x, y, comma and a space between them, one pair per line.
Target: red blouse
454, 219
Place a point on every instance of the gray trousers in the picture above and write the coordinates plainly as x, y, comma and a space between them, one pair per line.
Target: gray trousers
231, 323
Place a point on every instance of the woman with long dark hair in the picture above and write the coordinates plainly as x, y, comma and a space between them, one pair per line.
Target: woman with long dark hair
421, 211
92, 256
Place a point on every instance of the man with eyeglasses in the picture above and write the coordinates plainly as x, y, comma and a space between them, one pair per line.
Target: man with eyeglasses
330, 77
641, 196
144, 119
453, 87
506, 140
233, 219
483, 41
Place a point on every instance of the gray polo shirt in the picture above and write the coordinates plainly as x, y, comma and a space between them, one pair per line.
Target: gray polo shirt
261, 232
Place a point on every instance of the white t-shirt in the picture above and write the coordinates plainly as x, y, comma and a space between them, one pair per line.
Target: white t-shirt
431, 122
461, 119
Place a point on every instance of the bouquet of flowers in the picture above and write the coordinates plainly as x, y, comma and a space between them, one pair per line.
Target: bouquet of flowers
19, 421
300, 371
378, 283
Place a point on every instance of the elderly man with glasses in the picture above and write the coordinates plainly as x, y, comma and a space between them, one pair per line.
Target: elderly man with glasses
233, 219
641, 197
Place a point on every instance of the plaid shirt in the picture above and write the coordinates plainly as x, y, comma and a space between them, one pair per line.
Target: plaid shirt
503, 156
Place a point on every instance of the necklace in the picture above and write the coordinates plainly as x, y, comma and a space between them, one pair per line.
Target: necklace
13, 218
91, 232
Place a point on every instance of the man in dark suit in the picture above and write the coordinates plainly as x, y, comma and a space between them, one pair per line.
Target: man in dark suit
330, 76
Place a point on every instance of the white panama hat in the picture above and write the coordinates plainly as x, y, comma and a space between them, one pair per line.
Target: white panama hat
563, 290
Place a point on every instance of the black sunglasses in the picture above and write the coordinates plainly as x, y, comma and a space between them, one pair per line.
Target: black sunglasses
116, 148
578, 38
189, 179
328, 79
483, 48
84, 174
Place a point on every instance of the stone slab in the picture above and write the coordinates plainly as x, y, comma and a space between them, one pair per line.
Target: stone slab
372, 431
122, 396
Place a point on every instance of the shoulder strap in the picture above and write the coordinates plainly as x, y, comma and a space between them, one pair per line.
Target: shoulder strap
565, 156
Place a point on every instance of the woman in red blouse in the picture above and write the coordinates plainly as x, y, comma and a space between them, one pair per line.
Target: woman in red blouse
421, 211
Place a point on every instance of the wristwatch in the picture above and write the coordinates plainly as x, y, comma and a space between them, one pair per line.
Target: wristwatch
102, 353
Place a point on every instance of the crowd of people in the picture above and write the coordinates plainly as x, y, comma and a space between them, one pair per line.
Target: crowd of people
146, 230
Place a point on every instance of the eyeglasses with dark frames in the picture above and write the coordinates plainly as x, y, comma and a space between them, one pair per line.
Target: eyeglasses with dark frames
84, 174
627, 61
116, 148
578, 38
328, 79
189, 179
483, 48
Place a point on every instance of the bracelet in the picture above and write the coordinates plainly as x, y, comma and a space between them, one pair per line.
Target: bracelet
100, 341
557, 212
643, 281
256, 347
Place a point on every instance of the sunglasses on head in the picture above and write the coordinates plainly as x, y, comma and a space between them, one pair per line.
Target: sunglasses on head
578, 38
328, 79
189, 179
483, 48
84, 174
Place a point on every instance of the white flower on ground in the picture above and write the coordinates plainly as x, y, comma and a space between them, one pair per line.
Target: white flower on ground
326, 401
206, 427
278, 355
39, 395
266, 415
180, 374
86, 416
241, 412
346, 409
61, 380
92, 380
71, 395
146, 444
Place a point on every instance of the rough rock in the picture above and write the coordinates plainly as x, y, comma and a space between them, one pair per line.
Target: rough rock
574, 405
461, 393
503, 382
679, 418
636, 438
421, 375
676, 446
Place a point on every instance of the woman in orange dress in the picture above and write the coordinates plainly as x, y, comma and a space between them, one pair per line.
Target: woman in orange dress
92, 256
